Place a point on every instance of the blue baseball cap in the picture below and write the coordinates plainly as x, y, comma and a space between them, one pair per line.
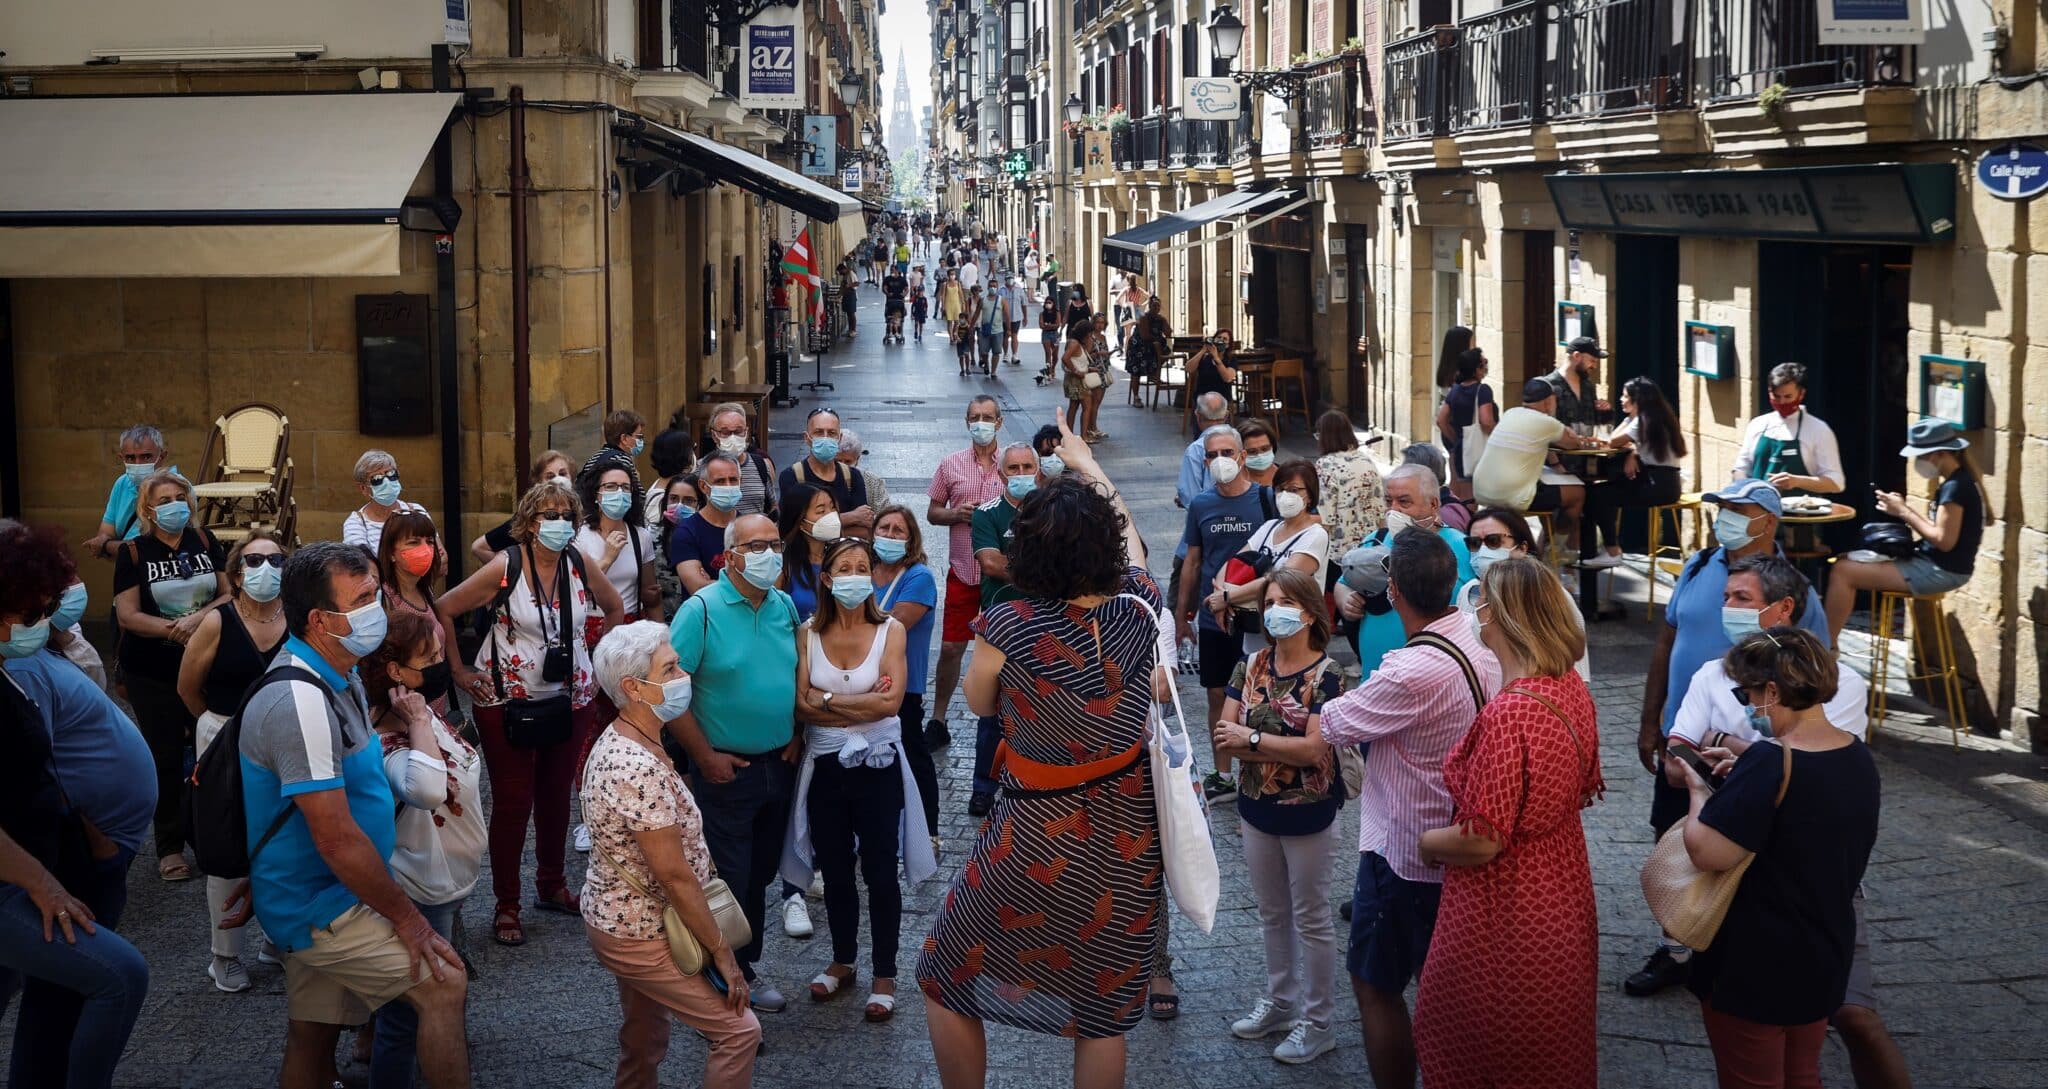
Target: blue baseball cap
1753, 491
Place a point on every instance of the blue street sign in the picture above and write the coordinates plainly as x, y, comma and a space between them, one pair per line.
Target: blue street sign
2014, 171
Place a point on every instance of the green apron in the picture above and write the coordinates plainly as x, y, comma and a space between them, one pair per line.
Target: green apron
1779, 456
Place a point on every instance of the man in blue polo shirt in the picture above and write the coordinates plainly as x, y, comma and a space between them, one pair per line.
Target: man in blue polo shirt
737, 640
321, 824
143, 452
1692, 635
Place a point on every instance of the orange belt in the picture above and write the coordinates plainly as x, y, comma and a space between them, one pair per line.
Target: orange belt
1035, 777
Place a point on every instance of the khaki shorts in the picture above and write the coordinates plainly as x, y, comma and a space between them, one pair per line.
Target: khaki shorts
354, 965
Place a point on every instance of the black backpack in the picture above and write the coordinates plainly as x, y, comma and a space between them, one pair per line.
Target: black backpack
215, 825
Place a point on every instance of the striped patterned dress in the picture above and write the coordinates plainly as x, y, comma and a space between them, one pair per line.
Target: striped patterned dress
1050, 926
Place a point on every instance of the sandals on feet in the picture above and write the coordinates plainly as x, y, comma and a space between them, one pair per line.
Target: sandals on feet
505, 929
880, 1007
563, 902
174, 868
825, 986
1163, 1007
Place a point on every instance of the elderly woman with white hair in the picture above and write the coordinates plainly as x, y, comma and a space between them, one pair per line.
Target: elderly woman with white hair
649, 853
377, 478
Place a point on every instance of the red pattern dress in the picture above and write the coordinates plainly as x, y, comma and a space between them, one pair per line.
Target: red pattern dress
1507, 994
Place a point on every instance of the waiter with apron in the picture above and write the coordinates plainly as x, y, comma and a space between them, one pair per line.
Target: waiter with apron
1791, 448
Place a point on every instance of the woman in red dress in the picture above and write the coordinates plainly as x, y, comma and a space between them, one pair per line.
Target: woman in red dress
1508, 990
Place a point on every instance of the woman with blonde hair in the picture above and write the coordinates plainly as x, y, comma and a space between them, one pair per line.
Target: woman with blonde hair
1507, 993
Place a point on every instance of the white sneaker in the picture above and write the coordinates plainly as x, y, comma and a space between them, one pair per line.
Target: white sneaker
796, 918
1601, 562
816, 889
228, 975
582, 838
1305, 1043
1267, 1017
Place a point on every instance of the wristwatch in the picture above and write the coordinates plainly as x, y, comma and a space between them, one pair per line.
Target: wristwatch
825, 701
1256, 736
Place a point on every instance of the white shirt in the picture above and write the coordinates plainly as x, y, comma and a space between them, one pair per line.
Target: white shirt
1817, 445
357, 529
1507, 472
1313, 541
970, 275
1710, 705
441, 834
1633, 428
623, 574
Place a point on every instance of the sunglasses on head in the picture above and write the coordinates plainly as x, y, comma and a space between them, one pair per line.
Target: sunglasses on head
254, 560
1490, 540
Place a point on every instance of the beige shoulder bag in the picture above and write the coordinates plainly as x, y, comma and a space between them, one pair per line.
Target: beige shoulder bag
683, 946
1689, 903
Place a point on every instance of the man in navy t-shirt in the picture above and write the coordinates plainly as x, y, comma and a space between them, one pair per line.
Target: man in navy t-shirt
697, 547
1220, 520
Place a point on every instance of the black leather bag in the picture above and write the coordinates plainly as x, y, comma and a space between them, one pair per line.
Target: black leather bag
549, 720
1889, 539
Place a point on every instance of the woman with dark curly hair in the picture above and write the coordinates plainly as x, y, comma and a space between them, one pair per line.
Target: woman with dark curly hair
1049, 928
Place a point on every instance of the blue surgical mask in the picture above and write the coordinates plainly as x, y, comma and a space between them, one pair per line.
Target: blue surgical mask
1760, 721
850, 590
556, 535
1260, 462
891, 550
633, 447
1283, 620
386, 493
1052, 465
1487, 557
366, 627
725, 496
824, 448
981, 431
761, 568
70, 607
136, 472
262, 584
26, 639
1731, 529
1021, 486
615, 504
675, 699
174, 516
1738, 623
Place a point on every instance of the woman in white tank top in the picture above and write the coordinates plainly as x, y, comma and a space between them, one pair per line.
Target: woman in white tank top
855, 792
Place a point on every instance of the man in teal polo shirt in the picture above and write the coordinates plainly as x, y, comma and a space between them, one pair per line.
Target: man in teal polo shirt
737, 640
142, 452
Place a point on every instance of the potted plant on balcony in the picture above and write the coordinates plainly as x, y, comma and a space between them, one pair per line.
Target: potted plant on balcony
1117, 119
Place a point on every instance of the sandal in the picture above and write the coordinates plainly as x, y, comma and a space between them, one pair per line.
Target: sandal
825, 986
505, 929
563, 902
174, 868
1163, 1007
880, 1007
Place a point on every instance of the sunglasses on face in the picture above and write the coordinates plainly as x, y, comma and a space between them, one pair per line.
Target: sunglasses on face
380, 478
1212, 455
1490, 540
254, 560
550, 515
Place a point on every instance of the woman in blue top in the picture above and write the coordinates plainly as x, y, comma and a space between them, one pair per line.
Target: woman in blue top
1949, 533
808, 523
906, 589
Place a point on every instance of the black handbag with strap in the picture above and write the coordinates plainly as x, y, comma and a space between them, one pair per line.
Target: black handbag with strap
549, 720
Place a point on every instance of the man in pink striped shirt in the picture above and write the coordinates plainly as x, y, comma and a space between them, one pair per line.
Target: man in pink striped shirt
965, 479
1411, 710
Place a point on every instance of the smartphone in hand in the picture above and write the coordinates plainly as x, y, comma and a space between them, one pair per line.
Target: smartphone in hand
1692, 758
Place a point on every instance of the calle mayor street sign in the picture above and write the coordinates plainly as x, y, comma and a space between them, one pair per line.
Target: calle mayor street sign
2014, 171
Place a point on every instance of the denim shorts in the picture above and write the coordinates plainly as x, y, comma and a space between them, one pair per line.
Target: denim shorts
1923, 576
1392, 919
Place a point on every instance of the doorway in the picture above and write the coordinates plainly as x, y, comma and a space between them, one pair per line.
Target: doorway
1539, 310
1645, 318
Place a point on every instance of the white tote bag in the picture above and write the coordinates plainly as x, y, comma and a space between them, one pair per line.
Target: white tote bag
1185, 848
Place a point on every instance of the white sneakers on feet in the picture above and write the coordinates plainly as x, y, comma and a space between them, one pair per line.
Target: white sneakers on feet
1305, 1043
228, 975
816, 889
582, 838
1601, 562
1266, 1018
796, 918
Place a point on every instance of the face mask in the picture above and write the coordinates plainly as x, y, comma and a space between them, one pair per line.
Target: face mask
824, 448
1396, 521
366, 628
1052, 465
615, 504
1224, 470
1289, 504
1925, 469
675, 699
850, 590
560, 480
1487, 557
136, 472
1731, 529
386, 493
1478, 625
263, 584
1787, 409
1738, 623
734, 445
1259, 463
25, 640
981, 431
435, 680
826, 528
1760, 718
1021, 486
70, 607
415, 560
633, 447
762, 569
1282, 620
891, 550
556, 535
174, 516
725, 496
677, 512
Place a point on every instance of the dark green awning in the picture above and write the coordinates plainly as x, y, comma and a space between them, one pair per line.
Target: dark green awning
1913, 203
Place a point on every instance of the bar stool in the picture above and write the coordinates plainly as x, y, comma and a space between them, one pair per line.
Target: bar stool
1549, 535
1690, 501
1884, 610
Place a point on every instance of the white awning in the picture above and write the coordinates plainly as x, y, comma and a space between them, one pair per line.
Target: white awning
210, 185
738, 166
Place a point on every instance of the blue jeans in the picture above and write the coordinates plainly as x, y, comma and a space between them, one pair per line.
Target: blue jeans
988, 733
79, 1002
398, 1024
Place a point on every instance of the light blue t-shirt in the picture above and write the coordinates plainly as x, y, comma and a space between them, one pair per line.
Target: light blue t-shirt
304, 738
101, 760
1695, 610
1379, 634
120, 512
914, 585
742, 661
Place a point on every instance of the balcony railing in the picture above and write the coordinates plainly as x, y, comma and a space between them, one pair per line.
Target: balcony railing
1501, 64
1241, 141
1041, 156
1334, 110
1614, 56
1206, 142
682, 47
1176, 155
1752, 44
1148, 141
1077, 153
1418, 84
1085, 12
1121, 156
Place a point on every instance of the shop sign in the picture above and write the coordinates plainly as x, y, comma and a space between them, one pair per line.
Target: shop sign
1207, 98
849, 177
2013, 171
770, 46
1709, 349
1953, 390
821, 153
1870, 22
1883, 202
1575, 320
455, 22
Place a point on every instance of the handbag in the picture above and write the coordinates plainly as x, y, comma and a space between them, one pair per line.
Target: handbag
534, 723
683, 946
1185, 849
1689, 903
1888, 539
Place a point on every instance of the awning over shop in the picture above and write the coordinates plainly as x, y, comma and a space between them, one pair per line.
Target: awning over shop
1876, 202
1129, 249
738, 166
210, 185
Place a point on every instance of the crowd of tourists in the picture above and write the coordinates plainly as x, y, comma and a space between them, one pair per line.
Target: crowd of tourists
727, 669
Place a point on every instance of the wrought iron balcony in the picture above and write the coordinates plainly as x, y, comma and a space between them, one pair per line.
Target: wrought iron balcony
1205, 142
1241, 137
1417, 85
1500, 68
1751, 45
1334, 103
1122, 154
1148, 141
1077, 152
1615, 56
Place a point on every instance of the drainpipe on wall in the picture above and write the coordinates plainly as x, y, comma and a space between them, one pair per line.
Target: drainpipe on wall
522, 362
444, 340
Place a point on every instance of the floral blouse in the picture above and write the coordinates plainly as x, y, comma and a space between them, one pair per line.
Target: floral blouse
1353, 501
517, 635
1281, 705
628, 789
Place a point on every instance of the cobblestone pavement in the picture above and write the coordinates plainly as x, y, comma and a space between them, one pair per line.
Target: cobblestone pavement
1955, 887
